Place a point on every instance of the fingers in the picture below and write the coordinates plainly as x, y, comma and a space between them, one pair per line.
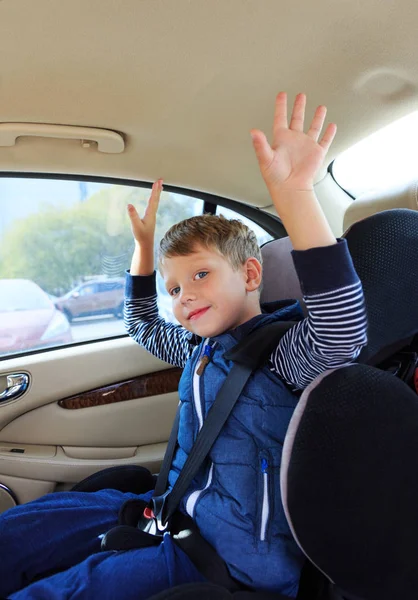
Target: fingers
132, 212
280, 113
316, 127
297, 120
152, 206
262, 148
154, 199
328, 136
317, 123
298, 113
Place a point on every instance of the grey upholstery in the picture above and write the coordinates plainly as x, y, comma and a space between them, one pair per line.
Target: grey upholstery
279, 276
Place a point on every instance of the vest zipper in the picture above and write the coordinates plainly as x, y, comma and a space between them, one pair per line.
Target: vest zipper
194, 496
200, 365
196, 383
265, 509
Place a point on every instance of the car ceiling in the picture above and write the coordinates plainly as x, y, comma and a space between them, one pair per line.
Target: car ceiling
184, 81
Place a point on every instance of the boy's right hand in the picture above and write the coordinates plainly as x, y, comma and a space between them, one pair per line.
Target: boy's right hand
143, 229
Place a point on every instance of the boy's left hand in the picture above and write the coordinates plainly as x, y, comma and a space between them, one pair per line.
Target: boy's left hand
291, 162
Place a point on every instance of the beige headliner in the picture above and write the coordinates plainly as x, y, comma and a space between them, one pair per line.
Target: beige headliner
185, 80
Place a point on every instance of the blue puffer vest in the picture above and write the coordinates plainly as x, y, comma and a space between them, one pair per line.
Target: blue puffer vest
235, 498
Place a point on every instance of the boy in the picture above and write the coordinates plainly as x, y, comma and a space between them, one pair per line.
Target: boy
212, 270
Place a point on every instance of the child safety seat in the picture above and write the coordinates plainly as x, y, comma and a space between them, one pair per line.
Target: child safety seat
349, 468
347, 462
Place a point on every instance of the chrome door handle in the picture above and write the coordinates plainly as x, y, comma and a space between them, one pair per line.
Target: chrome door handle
17, 384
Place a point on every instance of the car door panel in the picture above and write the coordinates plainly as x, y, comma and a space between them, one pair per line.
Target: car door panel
63, 445
65, 469
25, 489
143, 421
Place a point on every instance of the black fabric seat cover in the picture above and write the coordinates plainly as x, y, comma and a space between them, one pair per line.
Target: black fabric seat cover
348, 477
128, 478
210, 591
384, 248
351, 489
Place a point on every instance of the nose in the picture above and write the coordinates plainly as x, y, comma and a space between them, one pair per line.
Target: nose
187, 295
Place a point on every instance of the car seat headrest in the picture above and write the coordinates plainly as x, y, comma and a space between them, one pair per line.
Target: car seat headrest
349, 484
279, 275
405, 196
384, 249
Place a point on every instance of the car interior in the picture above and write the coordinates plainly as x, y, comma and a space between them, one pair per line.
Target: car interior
100, 99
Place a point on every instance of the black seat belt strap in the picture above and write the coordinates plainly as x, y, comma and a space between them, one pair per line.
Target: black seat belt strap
162, 479
247, 355
166, 505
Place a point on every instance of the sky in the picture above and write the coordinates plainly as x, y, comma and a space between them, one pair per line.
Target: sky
22, 196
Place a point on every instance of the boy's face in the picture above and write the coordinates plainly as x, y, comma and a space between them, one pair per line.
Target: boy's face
210, 297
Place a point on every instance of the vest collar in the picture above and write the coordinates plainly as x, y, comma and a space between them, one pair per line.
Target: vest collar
283, 310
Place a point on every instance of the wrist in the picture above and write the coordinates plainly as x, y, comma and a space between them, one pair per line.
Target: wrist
293, 200
146, 245
303, 218
142, 259
289, 188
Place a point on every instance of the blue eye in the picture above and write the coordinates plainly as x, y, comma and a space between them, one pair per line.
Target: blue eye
201, 274
174, 291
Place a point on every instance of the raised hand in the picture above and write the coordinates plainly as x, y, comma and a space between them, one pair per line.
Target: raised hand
294, 157
289, 166
143, 229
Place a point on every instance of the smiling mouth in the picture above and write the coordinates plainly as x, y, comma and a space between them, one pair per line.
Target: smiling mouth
197, 313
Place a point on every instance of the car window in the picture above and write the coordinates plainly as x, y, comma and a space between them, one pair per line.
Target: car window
61, 243
88, 289
382, 160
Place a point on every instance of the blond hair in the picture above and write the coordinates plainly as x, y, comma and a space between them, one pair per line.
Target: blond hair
234, 240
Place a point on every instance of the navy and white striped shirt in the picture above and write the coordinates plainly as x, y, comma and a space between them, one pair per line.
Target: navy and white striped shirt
331, 336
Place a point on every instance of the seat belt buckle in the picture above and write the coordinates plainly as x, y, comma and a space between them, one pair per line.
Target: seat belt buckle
148, 523
158, 503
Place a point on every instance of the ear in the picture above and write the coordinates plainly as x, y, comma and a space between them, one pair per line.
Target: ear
253, 274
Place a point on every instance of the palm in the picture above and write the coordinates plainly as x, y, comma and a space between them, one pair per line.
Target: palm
294, 156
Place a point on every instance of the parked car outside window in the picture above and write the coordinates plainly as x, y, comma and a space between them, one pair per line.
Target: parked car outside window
28, 318
94, 298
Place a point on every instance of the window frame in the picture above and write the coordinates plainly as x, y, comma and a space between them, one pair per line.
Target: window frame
331, 172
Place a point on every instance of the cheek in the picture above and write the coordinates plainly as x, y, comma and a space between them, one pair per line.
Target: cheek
176, 308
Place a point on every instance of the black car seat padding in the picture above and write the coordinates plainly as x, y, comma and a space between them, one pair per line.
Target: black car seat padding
349, 481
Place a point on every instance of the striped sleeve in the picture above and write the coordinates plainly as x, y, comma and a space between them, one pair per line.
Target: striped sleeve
335, 329
166, 341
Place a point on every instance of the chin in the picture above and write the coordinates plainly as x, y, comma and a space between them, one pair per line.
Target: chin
206, 330
210, 332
